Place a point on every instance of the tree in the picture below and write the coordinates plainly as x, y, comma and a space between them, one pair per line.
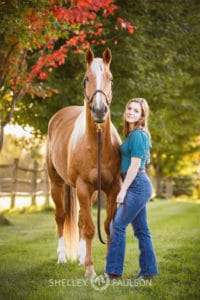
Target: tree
31, 35
160, 63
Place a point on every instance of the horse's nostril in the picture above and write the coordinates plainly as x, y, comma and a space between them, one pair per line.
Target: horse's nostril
99, 112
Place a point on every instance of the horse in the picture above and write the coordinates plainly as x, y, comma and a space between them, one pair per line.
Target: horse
71, 159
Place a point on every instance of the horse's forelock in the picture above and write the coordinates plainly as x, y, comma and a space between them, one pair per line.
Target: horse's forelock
97, 66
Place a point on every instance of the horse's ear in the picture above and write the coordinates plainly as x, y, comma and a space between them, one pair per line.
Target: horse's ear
107, 56
89, 56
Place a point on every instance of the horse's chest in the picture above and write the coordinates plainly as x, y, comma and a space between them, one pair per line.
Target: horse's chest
84, 165
88, 171
106, 176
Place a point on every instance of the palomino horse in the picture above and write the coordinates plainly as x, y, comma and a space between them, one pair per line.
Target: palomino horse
72, 163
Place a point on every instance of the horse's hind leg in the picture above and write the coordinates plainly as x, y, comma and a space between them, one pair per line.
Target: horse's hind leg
58, 192
82, 244
111, 206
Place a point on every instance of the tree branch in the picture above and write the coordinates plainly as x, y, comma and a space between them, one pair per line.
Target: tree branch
3, 65
16, 98
20, 66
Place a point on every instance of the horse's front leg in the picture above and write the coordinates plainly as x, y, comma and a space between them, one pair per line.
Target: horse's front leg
57, 192
111, 206
84, 193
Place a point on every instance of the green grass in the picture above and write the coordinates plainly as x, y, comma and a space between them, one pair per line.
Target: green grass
29, 269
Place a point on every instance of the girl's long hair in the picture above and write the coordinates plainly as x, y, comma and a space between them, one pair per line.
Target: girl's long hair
143, 122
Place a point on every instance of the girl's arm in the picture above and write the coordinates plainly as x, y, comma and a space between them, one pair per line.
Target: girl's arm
130, 176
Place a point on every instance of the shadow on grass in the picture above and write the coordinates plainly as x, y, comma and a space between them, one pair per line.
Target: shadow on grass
4, 221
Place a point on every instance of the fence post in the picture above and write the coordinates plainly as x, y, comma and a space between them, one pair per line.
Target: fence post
34, 183
46, 180
169, 188
14, 182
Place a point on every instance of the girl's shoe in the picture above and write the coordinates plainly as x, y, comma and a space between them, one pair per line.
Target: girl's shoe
145, 277
113, 276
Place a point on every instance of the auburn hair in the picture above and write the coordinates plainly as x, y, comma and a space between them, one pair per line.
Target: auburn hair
143, 122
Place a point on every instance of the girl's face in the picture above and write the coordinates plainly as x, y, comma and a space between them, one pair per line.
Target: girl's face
133, 112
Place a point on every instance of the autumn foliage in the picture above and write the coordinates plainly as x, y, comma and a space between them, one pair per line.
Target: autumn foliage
41, 41
79, 22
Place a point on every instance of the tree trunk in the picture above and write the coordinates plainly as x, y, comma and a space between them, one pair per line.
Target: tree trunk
1, 136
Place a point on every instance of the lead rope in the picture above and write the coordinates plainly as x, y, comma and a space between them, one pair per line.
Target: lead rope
99, 131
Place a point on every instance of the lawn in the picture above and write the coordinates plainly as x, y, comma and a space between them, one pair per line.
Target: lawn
29, 269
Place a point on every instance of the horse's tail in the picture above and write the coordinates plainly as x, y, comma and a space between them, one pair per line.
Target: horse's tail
71, 232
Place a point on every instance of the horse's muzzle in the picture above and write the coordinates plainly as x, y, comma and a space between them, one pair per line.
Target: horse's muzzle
99, 113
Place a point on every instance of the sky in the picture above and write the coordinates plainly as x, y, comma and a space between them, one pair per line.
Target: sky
18, 131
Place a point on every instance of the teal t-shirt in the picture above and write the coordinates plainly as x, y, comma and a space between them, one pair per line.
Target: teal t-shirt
137, 144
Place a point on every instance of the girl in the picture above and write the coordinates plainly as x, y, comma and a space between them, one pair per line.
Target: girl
135, 192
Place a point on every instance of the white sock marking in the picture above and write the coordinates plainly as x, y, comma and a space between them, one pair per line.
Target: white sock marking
61, 251
81, 252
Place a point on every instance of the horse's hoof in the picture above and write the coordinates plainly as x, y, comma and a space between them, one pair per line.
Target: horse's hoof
81, 261
90, 274
62, 258
81, 264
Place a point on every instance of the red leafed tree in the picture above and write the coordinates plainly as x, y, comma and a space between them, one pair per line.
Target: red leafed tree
29, 38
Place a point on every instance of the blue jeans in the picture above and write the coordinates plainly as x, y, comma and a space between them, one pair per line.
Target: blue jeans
133, 211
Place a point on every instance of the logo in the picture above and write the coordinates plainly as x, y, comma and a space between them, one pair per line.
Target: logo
100, 283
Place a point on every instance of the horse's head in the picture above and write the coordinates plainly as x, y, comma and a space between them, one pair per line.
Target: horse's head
98, 84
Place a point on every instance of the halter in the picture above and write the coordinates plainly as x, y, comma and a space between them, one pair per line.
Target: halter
90, 99
99, 131
99, 135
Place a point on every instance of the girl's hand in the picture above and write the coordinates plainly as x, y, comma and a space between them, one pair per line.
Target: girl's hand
121, 196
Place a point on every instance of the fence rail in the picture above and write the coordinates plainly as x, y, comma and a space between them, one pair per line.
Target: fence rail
19, 181
33, 182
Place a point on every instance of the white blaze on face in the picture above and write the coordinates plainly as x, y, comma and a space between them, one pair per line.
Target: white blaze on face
97, 69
